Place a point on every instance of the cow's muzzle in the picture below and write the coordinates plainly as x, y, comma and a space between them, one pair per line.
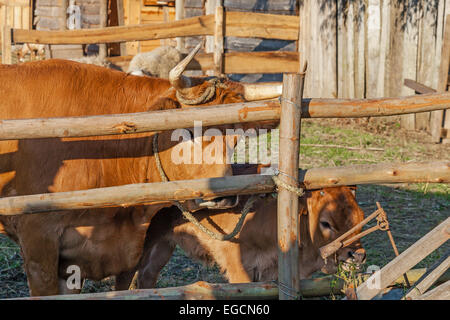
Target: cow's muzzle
352, 258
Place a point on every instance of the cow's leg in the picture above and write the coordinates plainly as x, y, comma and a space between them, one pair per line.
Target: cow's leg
40, 257
123, 280
154, 259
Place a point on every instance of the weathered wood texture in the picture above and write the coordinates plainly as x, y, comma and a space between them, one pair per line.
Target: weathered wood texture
287, 208
317, 287
188, 27
405, 261
430, 277
442, 292
144, 193
13, 14
215, 115
378, 44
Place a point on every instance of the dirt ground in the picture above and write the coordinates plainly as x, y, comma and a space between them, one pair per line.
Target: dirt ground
412, 209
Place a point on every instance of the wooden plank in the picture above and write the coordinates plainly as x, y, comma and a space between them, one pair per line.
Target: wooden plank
214, 115
179, 14
261, 62
103, 24
257, 25
15, 3
134, 18
121, 22
440, 293
438, 116
145, 193
410, 34
418, 87
187, 27
6, 44
218, 41
405, 261
373, 46
426, 72
429, 278
287, 217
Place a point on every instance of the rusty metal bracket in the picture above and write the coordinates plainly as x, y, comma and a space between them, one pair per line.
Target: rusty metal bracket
382, 224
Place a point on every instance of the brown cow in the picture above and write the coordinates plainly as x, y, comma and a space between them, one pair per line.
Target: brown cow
102, 242
253, 255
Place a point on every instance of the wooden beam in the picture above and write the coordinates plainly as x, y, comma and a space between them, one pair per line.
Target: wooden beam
215, 115
430, 277
317, 287
196, 26
145, 193
261, 62
405, 261
261, 25
440, 293
287, 217
418, 87
438, 116
102, 51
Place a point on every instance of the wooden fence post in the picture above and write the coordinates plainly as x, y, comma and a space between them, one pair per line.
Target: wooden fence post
287, 217
438, 116
218, 41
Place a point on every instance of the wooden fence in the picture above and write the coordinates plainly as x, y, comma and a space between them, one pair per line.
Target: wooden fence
438, 172
237, 24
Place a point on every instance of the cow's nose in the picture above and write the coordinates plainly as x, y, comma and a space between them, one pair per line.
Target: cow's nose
359, 255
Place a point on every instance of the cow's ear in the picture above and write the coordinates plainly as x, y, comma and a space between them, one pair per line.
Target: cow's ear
353, 190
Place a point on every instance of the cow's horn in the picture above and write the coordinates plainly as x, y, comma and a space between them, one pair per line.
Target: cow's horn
261, 91
177, 80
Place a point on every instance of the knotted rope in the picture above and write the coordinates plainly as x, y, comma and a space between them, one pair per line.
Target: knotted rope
218, 236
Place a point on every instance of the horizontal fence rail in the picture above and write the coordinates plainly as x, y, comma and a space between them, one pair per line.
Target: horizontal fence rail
145, 193
309, 288
215, 115
237, 24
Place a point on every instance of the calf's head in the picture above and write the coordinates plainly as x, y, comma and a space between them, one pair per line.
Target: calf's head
331, 213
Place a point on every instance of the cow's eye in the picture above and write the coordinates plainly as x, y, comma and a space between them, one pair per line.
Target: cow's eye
325, 225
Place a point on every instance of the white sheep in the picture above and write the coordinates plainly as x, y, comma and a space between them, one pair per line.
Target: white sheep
156, 63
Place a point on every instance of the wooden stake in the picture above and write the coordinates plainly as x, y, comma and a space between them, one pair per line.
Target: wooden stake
288, 223
102, 52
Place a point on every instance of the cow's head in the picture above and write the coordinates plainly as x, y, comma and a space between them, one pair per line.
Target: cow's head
331, 213
213, 147
192, 91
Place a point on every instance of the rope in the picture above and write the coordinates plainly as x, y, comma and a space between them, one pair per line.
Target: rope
294, 189
207, 95
218, 236
290, 292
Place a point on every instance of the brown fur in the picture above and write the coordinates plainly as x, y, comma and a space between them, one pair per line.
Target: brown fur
102, 242
253, 255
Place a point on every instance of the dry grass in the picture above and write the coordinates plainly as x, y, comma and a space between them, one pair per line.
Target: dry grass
412, 209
